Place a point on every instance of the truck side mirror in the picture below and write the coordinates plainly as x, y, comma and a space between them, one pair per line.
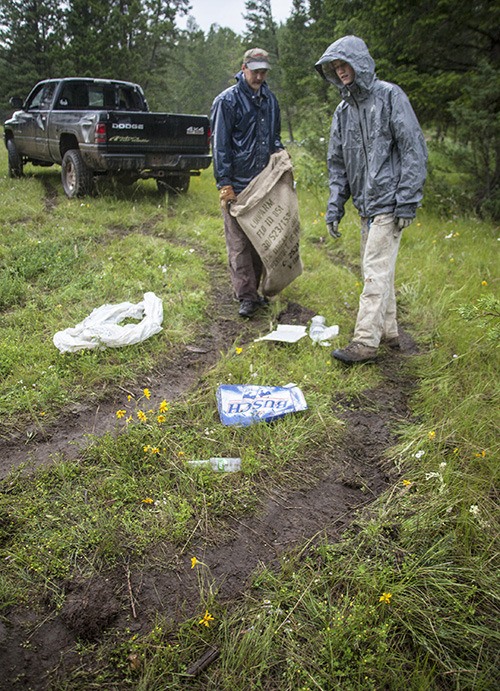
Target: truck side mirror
16, 102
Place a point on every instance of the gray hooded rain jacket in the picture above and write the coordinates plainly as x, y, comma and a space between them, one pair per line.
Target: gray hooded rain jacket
377, 151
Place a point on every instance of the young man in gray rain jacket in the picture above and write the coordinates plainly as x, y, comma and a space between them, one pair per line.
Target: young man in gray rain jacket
246, 130
376, 155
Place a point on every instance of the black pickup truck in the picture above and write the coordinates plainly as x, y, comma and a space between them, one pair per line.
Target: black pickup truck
104, 127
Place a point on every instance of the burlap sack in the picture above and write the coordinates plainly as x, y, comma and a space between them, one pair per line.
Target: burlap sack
268, 212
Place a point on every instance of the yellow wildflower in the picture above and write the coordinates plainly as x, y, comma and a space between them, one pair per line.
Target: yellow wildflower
147, 393
148, 500
129, 397
238, 351
481, 454
146, 448
141, 416
180, 453
431, 435
163, 407
155, 449
194, 561
407, 483
385, 598
207, 618
484, 283
121, 413
129, 419
161, 419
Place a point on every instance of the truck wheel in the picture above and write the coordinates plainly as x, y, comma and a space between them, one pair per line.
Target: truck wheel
178, 184
77, 177
15, 162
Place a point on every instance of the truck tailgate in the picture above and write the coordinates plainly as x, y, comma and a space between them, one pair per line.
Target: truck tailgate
149, 133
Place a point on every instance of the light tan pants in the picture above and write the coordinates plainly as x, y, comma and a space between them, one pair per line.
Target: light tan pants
376, 319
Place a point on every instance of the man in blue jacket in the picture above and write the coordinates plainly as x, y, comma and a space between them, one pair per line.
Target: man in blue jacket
246, 130
376, 155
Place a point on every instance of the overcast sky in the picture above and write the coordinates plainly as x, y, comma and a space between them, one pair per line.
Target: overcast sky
229, 13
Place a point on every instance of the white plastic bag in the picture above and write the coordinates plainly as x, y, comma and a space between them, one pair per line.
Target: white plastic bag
102, 329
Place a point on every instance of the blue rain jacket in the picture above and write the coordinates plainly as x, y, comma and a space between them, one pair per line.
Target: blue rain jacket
246, 130
377, 152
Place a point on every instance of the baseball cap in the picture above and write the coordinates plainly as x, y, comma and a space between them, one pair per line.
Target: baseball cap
256, 59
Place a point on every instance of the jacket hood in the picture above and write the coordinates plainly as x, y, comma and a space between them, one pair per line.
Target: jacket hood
353, 50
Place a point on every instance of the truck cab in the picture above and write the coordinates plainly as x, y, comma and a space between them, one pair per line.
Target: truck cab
104, 127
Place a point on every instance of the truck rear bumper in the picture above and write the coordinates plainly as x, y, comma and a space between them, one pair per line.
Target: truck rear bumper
154, 164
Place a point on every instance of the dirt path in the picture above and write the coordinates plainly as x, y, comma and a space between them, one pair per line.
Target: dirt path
38, 648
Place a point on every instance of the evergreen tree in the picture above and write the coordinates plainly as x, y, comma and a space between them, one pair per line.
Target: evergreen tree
204, 66
30, 41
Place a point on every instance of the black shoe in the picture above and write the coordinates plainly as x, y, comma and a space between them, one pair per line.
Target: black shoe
248, 308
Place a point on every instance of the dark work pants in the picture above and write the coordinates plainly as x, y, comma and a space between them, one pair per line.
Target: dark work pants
245, 265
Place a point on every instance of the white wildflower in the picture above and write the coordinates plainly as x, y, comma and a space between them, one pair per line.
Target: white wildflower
438, 476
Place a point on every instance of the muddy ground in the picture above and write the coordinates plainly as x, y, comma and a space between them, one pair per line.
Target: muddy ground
37, 649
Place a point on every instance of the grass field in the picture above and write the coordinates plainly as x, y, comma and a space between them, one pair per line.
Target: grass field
408, 597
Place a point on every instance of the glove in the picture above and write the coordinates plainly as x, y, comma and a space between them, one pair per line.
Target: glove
403, 223
333, 229
226, 196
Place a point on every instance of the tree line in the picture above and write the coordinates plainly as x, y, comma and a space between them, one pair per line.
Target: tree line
444, 53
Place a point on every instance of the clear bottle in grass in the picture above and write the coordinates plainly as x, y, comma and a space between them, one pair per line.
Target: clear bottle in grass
219, 464
317, 328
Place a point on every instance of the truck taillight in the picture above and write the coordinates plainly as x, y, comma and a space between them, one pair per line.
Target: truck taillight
100, 133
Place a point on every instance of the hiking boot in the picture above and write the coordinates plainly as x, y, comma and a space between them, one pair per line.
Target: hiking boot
248, 308
354, 353
392, 343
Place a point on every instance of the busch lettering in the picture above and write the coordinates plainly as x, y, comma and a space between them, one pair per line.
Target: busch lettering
244, 406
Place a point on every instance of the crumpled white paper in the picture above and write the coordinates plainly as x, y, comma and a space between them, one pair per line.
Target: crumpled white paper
102, 329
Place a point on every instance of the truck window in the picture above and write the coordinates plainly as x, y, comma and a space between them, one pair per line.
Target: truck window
128, 99
42, 97
73, 96
96, 96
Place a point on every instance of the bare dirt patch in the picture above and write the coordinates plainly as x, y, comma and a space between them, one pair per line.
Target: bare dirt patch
38, 648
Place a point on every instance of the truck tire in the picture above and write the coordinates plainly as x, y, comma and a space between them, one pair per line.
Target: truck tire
15, 162
178, 184
77, 178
